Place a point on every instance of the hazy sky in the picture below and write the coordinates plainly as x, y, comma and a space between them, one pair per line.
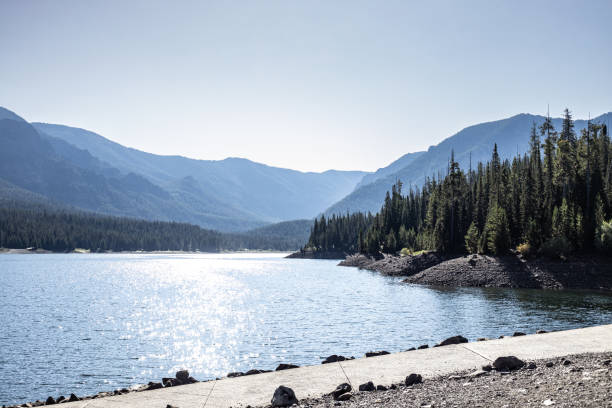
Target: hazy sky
309, 85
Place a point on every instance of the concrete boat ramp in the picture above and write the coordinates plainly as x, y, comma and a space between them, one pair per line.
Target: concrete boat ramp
314, 381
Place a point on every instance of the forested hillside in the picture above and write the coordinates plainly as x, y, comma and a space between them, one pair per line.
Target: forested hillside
554, 200
29, 224
470, 145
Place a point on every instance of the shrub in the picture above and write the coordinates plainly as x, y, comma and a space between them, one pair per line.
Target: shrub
524, 249
604, 236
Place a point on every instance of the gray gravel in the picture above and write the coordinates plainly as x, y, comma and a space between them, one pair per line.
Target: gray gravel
584, 382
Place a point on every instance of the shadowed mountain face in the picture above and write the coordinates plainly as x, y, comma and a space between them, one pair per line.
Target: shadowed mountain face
80, 168
474, 143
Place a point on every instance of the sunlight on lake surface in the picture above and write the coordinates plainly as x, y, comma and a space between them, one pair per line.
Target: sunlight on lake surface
90, 323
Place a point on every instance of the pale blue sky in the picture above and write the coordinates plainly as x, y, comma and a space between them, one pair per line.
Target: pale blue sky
309, 85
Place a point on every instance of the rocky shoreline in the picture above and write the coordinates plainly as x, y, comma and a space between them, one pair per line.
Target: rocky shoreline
183, 377
302, 254
579, 380
511, 271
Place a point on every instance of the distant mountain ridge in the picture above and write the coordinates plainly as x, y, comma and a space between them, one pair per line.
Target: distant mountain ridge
474, 142
83, 169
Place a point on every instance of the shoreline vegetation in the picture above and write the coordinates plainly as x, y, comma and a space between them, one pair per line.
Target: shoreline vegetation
540, 220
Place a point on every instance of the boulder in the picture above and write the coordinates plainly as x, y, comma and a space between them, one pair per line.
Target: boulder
60, 399
487, 367
182, 376
516, 334
341, 390
376, 353
252, 372
411, 349
508, 363
344, 397
235, 374
368, 387
566, 362
285, 367
541, 332
154, 386
424, 346
413, 379
333, 359
50, 401
532, 366
453, 340
381, 388
73, 398
550, 364
283, 397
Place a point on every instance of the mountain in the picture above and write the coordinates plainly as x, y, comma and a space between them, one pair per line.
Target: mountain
474, 143
394, 167
83, 169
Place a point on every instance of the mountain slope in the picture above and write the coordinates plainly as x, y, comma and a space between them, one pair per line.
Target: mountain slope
475, 142
83, 169
30, 162
394, 167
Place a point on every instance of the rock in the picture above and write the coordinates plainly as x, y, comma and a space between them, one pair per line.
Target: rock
532, 366
413, 379
252, 372
501, 337
170, 406
73, 398
549, 364
606, 362
235, 374
516, 334
60, 399
340, 390
50, 401
283, 397
335, 358
376, 353
424, 346
481, 339
487, 367
191, 380
411, 349
393, 387
381, 388
171, 382
508, 363
453, 340
182, 376
344, 397
154, 386
566, 362
369, 386
541, 332
478, 373
285, 367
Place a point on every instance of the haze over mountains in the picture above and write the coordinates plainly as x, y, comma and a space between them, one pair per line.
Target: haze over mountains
82, 169
74, 167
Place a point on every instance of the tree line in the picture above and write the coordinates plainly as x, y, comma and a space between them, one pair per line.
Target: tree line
555, 199
39, 226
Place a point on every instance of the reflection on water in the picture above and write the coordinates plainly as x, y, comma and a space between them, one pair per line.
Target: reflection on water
86, 323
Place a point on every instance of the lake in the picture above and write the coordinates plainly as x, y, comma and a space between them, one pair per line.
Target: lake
86, 323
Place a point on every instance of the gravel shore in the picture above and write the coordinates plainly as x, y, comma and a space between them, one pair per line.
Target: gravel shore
510, 271
574, 381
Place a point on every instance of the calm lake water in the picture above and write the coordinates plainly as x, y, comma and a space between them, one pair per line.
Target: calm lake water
89, 323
